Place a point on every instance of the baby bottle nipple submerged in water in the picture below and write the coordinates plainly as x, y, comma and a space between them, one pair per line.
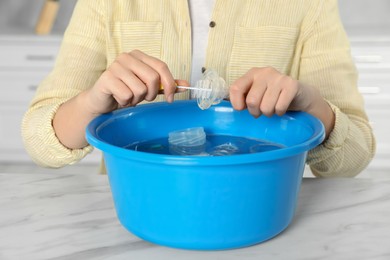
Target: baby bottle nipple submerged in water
210, 90
190, 141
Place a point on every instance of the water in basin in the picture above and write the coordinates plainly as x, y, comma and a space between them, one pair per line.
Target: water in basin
215, 145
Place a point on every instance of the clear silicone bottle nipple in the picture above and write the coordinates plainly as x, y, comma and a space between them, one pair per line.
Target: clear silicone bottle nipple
210, 90
190, 141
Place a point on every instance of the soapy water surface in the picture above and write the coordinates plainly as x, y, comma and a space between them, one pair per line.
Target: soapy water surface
216, 145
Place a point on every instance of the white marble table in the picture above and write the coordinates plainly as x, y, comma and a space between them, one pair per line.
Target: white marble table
69, 216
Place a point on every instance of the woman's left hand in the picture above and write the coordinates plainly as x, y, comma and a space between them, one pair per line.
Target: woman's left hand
267, 91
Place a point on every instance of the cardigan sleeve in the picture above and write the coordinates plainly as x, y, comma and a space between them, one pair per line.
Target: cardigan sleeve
326, 63
80, 62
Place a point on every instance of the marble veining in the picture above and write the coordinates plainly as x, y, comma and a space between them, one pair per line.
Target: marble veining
71, 216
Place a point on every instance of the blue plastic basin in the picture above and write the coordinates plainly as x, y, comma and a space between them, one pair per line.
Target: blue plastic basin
206, 203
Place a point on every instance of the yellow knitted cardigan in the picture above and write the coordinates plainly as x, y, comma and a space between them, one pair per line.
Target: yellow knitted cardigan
301, 38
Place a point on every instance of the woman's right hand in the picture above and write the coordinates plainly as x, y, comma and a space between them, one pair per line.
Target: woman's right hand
133, 77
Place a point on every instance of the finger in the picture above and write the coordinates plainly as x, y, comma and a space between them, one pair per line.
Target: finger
255, 97
181, 82
147, 76
270, 97
139, 91
238, 91
283, 102
120, 92
138, 88
286, 98
162, 69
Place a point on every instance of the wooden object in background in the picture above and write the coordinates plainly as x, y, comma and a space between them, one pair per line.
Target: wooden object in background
47, 17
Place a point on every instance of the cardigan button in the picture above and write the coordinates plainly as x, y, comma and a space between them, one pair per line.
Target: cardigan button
212, 24
203, 69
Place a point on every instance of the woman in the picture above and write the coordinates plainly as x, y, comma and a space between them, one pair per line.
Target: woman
275, 55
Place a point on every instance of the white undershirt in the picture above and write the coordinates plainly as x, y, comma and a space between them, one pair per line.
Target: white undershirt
200, 12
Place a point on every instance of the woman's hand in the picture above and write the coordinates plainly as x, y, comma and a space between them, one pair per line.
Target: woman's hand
132, 78
267, 91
